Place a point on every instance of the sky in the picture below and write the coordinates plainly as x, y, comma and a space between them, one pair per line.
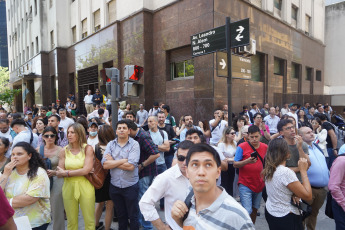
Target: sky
328, 2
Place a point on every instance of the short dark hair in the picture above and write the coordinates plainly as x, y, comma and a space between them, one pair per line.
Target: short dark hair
53, 130
62, 109
192, 131
203, 148
5, 141
44, 108
57, 117
245, 107
283, 123
322, 117
16, 116
18, 121
186, 144
130, 112
166, 107
160, 112
122, 122
257, 114
253, 104
6, 121
253, 129
130, 124
100, 111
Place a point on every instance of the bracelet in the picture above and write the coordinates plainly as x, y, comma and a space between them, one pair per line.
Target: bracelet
67, 173
11, 202
142, 165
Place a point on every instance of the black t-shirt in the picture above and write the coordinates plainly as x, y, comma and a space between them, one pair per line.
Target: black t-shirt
326, 125
171, 134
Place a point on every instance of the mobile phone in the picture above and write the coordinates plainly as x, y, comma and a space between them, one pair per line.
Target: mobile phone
254, 154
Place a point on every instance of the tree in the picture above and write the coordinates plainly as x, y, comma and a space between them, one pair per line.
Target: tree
4, 78
7, 96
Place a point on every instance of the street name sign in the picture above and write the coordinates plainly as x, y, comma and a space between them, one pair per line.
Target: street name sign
241, 66
208, 41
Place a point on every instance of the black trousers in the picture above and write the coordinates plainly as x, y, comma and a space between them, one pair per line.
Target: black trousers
126, 205
228, 179
289, 222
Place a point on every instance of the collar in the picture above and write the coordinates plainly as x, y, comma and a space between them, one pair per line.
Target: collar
138, 133
216, 204
177, 172
116, 141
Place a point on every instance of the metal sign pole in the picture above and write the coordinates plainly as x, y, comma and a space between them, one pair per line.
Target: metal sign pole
229, 79
114, 109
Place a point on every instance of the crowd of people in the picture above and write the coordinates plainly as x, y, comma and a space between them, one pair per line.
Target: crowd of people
205, 175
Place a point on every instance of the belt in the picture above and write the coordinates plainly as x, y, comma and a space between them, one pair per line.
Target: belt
317, 187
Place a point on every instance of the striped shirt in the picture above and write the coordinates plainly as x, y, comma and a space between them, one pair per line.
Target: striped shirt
147, 148
224, 213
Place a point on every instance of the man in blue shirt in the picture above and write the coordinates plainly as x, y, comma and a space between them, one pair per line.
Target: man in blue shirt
318, 175
188, 120
121, 157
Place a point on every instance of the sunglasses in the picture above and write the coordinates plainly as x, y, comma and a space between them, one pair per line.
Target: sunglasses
232, 133
49, 135
181, 158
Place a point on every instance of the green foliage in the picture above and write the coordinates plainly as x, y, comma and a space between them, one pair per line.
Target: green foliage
4, 78
7, 95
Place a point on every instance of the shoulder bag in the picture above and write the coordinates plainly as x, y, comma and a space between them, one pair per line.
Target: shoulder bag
97, 174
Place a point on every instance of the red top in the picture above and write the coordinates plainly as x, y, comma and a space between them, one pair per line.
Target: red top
6, 211
250, 173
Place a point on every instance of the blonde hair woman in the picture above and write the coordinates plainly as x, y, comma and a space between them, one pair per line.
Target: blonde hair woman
227, 146
76, 161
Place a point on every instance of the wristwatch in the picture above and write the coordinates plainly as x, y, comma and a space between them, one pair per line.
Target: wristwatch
142, 165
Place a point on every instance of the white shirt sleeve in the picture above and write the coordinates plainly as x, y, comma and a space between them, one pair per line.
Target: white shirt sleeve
153, 194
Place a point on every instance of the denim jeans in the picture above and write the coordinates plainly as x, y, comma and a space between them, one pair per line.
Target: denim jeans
249, 199
160, 169
126, 205
144, 184
168, 160
339, 216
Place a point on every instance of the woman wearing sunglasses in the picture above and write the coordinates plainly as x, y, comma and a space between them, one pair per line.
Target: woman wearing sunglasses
51, 150
227, 146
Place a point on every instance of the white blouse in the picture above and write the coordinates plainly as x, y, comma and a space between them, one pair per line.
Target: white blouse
227, 150
279, 196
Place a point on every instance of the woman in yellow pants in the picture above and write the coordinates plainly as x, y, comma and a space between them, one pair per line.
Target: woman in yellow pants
76, 161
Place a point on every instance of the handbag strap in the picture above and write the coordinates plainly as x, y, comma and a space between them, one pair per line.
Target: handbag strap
262, 161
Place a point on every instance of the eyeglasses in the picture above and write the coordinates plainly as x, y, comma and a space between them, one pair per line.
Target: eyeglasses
259, 117
289, 128
49, 135
181, 158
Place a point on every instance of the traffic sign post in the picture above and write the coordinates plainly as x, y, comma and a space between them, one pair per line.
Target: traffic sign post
226, 37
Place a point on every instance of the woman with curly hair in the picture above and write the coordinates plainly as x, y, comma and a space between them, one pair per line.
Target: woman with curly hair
283, 187
26, 185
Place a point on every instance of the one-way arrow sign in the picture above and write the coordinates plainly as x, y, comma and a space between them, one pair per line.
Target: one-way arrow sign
223, 63
240, 33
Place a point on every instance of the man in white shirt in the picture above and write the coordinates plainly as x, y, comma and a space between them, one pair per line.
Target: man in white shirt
165, 185
6, 132
23, 134
65, 121
254, 109
285, 109
88, 102
272, 121
217, 126
93, 137
292, 113
142, 116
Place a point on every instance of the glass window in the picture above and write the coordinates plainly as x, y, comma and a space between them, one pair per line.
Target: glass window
318, 75
295, 70
183, 69
278, 4
84, 28
307, 24
74, 34
278, 66
111, 11
97, 20
309, 72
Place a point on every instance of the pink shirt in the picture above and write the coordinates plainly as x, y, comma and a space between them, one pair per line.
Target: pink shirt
336, 182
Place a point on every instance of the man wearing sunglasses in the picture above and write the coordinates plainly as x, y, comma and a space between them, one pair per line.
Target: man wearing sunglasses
54, 121
172, 185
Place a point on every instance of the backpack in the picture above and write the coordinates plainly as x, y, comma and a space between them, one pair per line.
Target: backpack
340, 134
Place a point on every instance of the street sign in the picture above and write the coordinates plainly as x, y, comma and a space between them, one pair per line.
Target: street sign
222, 65
208, 41
241, 66
240, 33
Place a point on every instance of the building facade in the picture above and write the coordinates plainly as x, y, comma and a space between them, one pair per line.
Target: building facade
3, 35
334, 58
77, 39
